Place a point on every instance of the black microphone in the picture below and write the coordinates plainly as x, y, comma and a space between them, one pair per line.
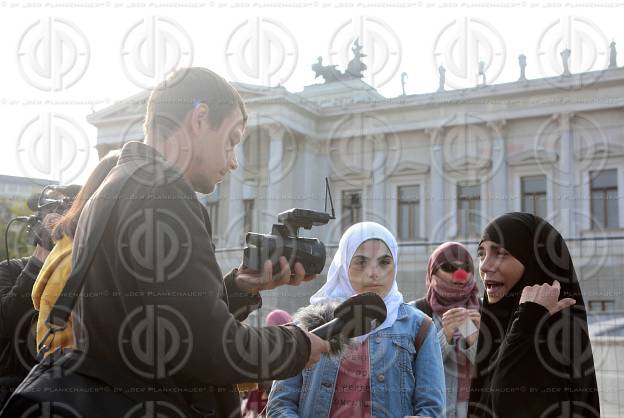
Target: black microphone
356, 316
338, 322
33, 202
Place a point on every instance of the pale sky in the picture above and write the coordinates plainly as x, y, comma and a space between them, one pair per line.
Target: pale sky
93, 54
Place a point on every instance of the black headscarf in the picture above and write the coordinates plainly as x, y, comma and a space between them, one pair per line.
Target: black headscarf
547, 369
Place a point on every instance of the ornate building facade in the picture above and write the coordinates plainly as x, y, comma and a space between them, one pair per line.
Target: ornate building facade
431, 167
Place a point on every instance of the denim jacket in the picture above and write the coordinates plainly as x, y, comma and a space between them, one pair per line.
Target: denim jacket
402, 383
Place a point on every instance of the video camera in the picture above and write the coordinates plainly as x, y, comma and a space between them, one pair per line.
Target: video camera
52, 199
284, 240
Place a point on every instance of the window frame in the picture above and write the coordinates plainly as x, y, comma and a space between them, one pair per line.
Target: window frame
479, 209
545, 194
593, 225
342, 207
417, 221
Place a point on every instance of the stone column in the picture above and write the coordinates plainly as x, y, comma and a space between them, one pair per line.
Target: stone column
436, 199
567, 175
378, 196
275, 189
499, 190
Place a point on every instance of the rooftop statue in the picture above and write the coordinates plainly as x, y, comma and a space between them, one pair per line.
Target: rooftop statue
565, 57
354, 68
522, 63
403, 81
612, 55
328, 72
442, 72
482, 72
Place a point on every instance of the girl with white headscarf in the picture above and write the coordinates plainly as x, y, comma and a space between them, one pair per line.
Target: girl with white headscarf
382, 373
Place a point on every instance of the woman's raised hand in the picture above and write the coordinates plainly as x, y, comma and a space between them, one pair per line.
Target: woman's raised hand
452, 319
547, 296
475, 316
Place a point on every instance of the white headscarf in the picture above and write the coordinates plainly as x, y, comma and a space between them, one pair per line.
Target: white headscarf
338, 287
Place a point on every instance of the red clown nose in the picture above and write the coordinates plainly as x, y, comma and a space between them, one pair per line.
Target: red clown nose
460, 275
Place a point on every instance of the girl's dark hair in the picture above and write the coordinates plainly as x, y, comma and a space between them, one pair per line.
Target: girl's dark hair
67, 224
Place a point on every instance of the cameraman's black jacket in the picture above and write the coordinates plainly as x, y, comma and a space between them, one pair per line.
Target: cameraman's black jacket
154, 300
16, 313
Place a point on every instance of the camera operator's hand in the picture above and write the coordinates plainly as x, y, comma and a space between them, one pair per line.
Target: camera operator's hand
255, 281
318, 346
41, 253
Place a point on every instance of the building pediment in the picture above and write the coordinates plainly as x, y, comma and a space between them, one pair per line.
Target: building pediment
600, 151
468, 163
531, 157
353, 178
408, 168
134, 106
130, 108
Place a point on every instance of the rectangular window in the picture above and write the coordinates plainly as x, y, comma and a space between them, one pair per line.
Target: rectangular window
534, 195
468, 207
351, 208
248, 205
604, 199
601, 305
408, 217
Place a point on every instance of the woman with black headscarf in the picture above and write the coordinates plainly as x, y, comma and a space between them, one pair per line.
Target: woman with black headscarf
534, 357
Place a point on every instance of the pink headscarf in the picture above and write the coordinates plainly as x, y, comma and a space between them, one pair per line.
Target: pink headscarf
277, 317
442, 296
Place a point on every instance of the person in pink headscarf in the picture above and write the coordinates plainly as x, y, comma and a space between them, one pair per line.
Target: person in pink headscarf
452, 300
255, 404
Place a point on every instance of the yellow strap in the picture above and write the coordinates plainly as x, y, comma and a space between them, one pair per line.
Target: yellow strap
247, 387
